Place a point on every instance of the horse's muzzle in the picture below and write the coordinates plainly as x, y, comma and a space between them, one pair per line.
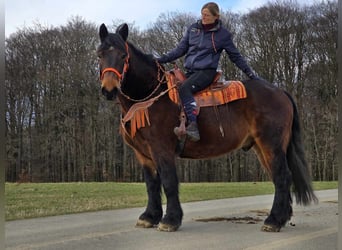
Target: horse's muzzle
110, 95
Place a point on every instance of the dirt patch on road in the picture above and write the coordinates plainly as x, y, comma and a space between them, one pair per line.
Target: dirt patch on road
240, 220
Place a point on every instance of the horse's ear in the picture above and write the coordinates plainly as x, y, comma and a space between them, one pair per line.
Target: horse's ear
122, 30
103, 32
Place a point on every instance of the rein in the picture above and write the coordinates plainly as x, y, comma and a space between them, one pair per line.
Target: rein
138, 112
160, 81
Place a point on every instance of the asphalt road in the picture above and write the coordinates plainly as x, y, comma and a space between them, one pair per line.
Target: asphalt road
230, 224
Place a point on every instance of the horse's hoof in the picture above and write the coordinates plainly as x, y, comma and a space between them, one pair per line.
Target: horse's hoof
167, 227
270, 228
143, 224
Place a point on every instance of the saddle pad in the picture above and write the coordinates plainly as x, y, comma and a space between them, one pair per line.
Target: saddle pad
218, 94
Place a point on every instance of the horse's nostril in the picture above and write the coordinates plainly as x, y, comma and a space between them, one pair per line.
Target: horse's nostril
107, 94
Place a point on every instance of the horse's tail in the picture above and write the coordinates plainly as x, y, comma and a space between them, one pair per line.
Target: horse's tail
295, 155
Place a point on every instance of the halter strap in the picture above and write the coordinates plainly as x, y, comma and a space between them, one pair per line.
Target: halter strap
115, 71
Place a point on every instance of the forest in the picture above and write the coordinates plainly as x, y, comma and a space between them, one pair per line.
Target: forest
59, 127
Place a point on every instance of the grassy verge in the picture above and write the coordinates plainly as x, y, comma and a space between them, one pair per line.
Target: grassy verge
30, 200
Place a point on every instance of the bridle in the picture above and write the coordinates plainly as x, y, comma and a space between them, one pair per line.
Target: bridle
121, 77
115, 71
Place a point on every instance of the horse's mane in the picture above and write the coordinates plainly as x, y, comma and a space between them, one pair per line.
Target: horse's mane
149, 58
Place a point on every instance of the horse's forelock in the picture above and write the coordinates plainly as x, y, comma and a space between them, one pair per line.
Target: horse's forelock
112, 40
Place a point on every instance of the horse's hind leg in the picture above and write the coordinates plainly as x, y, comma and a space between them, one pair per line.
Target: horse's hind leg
154, 211
281, 212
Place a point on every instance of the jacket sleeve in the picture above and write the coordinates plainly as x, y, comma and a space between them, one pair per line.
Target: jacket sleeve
177, 52
236, 57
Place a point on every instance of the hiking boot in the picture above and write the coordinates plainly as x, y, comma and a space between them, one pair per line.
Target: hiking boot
192, 132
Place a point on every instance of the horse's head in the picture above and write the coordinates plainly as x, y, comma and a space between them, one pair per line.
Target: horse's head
113, 59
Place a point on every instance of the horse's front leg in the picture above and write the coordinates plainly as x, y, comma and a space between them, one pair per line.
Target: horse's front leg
154, 211
174, 214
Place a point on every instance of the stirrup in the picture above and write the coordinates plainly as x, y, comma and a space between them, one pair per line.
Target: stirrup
179, 131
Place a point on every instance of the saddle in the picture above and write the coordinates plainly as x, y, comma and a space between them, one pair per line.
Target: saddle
217, 93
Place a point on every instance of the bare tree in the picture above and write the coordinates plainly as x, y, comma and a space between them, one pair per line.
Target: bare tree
60, 128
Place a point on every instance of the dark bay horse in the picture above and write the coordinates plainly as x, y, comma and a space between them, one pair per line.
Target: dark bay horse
266, 121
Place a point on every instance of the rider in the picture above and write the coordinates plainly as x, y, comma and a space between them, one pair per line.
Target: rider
202, 45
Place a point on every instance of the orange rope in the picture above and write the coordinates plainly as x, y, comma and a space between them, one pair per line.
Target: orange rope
110, 70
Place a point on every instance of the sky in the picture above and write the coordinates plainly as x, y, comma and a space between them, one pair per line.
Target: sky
27, 13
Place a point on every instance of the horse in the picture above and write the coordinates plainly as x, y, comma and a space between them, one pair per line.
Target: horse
266, 121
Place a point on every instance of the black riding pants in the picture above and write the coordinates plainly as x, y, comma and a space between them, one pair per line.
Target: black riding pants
196, 81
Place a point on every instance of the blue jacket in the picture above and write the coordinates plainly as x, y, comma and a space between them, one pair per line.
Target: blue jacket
202, 49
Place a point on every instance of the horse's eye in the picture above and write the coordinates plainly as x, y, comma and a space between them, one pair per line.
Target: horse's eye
124, 56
